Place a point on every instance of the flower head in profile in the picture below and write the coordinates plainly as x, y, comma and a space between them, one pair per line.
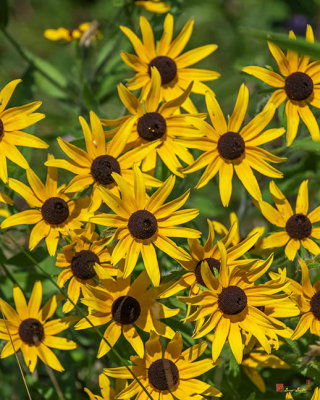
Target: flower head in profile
78, 261
298, 226
85, 29
167, 58
95, 166
297, 84
28, 329
143, 222
229, 306
210, 253
157, 127
168, 373
12, 121
229, 148
124, 307
51, 210
155, 6
107, 391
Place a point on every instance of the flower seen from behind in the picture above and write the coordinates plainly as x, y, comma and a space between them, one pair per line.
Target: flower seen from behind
12, 121
297, 85
229, 148
167, 58
27, 329
298, 226
167, 373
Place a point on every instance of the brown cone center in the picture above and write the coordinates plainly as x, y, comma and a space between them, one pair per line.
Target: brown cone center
163, 374
166, 66
231, 145
31, 331
315, 305
82, 264
213, 265
126, 310
298, 86
299, 226
151, 126
102, 168
142, 224
55, 210
232, 300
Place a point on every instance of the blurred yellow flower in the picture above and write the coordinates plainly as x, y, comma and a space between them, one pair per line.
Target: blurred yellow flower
86, 28
155, 6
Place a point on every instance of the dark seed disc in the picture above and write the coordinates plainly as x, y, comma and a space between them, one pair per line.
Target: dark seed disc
298, 86
315, 305
1, 129
299, 226
31, 331
55, 210
231, 145
82, 264
151, 126
232, 300
213, 265
125, 310
102, 168
166, 66
163, 374
142, 224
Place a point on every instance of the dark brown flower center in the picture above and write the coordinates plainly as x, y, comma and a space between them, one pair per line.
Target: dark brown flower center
232, 300
126, 310
315, 305
142, 224
55, 210
166, 66
82, 264
231, 145
299, 226
213, 265
31, 331
1, 129
151, 126
163, 374
102, 168
298, 86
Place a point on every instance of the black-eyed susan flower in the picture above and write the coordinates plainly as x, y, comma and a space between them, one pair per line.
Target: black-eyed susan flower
229, 148
228, 307
155, 6
69, 35
78, 261
107, 391
143, 222
95, 166
167, 58
297, 84
298, 226
222, 230
210, 253
28, 329
52, 211
149, 124
169, 373
308, 298
124, 307
12, 121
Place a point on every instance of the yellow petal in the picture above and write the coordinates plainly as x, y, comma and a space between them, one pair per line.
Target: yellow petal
269, 77
240, 109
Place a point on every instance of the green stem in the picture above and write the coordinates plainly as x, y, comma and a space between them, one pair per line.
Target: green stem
26, 57
63, 292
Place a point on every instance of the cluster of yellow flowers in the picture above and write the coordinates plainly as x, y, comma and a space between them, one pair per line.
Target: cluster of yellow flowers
117, 168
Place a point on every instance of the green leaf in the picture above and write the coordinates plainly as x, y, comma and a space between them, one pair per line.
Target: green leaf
4, 13
299, 45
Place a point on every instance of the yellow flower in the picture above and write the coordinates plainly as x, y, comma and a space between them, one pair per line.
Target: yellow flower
298, 85
53, 211
167, 58
5, 199
210, 253
229, 148
229, 306
70, 34
78, 261
28, 329
167, 374
155, 6
149, 124
144, 221
96, 165
123, 307
107, 391
309, 303
298, 225
12, 121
